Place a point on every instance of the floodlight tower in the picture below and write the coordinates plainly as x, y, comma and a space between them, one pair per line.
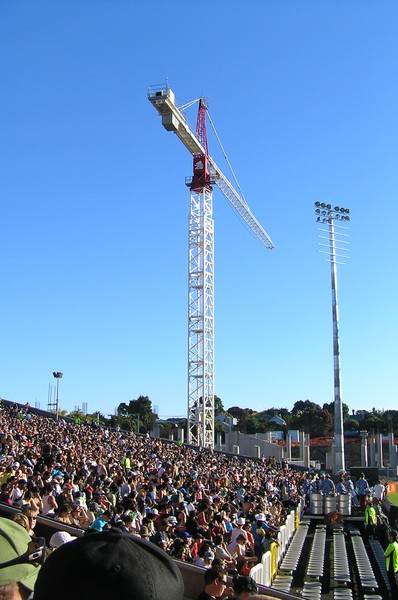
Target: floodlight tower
200, 428
327, 215
58, 376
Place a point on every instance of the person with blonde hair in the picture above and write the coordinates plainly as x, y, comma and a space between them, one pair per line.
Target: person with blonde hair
22, 520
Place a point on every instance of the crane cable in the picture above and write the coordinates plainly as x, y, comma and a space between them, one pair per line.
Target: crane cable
226, 158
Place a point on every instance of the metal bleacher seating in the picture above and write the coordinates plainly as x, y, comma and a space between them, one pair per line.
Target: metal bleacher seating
317, 555
341, 574
378, 553
366, 575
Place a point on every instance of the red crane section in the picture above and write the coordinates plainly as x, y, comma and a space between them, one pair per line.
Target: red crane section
201, 176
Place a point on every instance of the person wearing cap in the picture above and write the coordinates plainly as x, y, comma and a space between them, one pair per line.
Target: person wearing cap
60, 537
243, 587
206, 560
17, 572
216, 585
111, 564
238, 529
391, 556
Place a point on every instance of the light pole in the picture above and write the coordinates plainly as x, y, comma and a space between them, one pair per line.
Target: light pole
327, 215
58, 376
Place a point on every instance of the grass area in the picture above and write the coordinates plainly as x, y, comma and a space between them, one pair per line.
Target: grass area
393, 498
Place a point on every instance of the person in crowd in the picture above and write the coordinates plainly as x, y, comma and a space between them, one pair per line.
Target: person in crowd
370, 520
22, 520
17, 572
362, 490
216, 585
101, 522
64, 515
243, 587
105, 565
341, 487
391, 556
326, 485
378, 492
60, 537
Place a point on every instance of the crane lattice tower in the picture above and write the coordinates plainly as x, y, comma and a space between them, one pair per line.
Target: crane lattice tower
200, 417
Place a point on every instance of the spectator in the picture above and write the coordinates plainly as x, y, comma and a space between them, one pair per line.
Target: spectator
243, 587
105, 565
378, 491
216, 585
370, 519
362, 489
101, 522
17, 573
60, 537
391, 556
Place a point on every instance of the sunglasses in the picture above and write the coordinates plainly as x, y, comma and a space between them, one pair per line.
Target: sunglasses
34, 554
222, 580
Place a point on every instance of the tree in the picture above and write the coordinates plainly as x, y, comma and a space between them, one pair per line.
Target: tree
330, 407
137, 414
351, 425
311, 418
218, 406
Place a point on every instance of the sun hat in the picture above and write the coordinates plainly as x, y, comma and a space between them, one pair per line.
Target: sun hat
14, 542
240, 521
60, 537
111, 564
260, 517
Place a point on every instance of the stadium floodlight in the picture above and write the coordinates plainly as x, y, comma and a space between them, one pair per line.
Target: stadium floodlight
336, 220
58, 376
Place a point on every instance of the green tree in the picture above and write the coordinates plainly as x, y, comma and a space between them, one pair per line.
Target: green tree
137, 414
218, 406
351, 425
330, 407
311, 418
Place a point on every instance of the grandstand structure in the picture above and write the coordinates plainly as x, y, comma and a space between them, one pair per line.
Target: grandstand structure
315, 557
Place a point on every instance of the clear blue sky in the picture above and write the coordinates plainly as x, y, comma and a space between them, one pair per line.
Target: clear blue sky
93, 267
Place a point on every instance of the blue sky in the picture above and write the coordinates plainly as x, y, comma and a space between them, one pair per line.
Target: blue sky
94, 209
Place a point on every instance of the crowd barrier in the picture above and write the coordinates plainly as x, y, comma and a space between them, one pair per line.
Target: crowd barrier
265, 572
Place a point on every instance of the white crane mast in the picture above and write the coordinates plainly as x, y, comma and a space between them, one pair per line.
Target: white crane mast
201, 264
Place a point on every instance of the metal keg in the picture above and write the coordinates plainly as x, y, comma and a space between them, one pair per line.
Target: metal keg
316, 504
344, 504
330, 504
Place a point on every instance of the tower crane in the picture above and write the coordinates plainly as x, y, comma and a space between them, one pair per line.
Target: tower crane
200, 427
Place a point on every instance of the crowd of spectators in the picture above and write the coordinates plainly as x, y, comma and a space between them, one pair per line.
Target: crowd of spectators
199, 506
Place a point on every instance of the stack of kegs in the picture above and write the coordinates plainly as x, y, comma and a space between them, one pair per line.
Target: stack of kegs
344, 504
316, 504
330, 503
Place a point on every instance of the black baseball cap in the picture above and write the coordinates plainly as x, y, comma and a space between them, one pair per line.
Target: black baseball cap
110, 564
242, 583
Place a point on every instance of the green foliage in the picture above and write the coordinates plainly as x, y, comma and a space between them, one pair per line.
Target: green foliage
311, 418
351, 425
330, 408
218, 406
136, 414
